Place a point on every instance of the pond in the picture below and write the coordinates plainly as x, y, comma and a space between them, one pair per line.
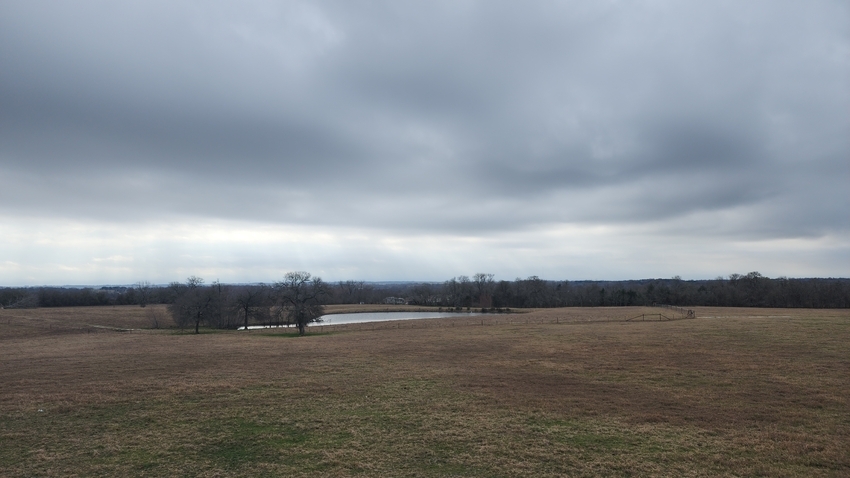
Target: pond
361, 317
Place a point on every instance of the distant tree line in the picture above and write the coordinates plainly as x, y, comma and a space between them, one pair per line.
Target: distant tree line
482, 291
478, 291
142, 293
750, 290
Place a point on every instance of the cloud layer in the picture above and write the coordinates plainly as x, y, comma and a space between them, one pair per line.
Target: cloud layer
693, 127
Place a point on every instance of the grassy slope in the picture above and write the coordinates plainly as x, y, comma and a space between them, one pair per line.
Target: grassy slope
745, 392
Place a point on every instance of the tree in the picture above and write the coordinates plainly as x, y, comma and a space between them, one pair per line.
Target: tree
192, 303
484, 288
251, 301
350, 291
221, 312
458, 291
144, 290
155, 317
20, 299
301, 297
423, 294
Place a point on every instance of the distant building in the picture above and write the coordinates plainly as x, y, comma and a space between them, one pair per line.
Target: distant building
395, 300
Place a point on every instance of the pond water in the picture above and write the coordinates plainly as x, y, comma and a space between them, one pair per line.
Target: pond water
360, 317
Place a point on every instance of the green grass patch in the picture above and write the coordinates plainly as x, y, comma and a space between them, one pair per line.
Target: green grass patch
243, 442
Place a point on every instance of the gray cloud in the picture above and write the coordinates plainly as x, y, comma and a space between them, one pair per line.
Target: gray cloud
468, 118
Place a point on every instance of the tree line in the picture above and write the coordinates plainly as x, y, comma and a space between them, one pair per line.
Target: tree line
736, 290
478, 291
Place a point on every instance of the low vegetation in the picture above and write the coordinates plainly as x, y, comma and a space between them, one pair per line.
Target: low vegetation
551, 392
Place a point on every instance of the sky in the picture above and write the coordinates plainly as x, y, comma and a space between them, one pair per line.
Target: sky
387, 140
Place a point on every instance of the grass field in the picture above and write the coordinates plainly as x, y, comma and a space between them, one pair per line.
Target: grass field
559, 392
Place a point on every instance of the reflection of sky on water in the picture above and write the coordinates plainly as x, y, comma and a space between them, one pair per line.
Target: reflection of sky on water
331, 319
360, 317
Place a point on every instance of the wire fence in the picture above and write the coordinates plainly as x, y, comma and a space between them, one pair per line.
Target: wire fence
681, 311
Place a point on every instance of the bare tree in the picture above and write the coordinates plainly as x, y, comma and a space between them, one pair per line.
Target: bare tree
251, 302
192, 304
484, 287
23, 301
222, 313
156, 317
301, 296
144, 290
461, 290
351, 292
451, 292
423, 294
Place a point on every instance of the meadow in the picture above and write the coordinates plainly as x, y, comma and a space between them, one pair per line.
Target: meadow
549, 392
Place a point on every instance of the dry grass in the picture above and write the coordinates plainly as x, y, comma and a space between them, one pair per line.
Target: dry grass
572, 392
63, 320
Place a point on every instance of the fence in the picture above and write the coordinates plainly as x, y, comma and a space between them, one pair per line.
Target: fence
684, 313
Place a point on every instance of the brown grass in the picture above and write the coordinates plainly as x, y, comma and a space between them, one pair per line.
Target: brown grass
557, 392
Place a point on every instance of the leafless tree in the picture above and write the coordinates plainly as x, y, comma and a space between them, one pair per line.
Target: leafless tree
222, 312
301, 297
423, 294
144, 290
251, 302
155, 317
458, 291
484, 287
351, 292
192, 304
24, 301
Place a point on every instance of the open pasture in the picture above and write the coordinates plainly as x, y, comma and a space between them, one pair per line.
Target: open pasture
552, 392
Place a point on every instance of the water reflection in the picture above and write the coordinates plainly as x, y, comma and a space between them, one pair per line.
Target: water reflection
361, 317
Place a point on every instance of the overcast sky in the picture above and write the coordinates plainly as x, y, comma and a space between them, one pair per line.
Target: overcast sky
155, 140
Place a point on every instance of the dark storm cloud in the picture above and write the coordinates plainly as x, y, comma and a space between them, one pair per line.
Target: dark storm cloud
467, 116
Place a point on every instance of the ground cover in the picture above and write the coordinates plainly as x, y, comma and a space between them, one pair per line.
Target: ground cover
554, 392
